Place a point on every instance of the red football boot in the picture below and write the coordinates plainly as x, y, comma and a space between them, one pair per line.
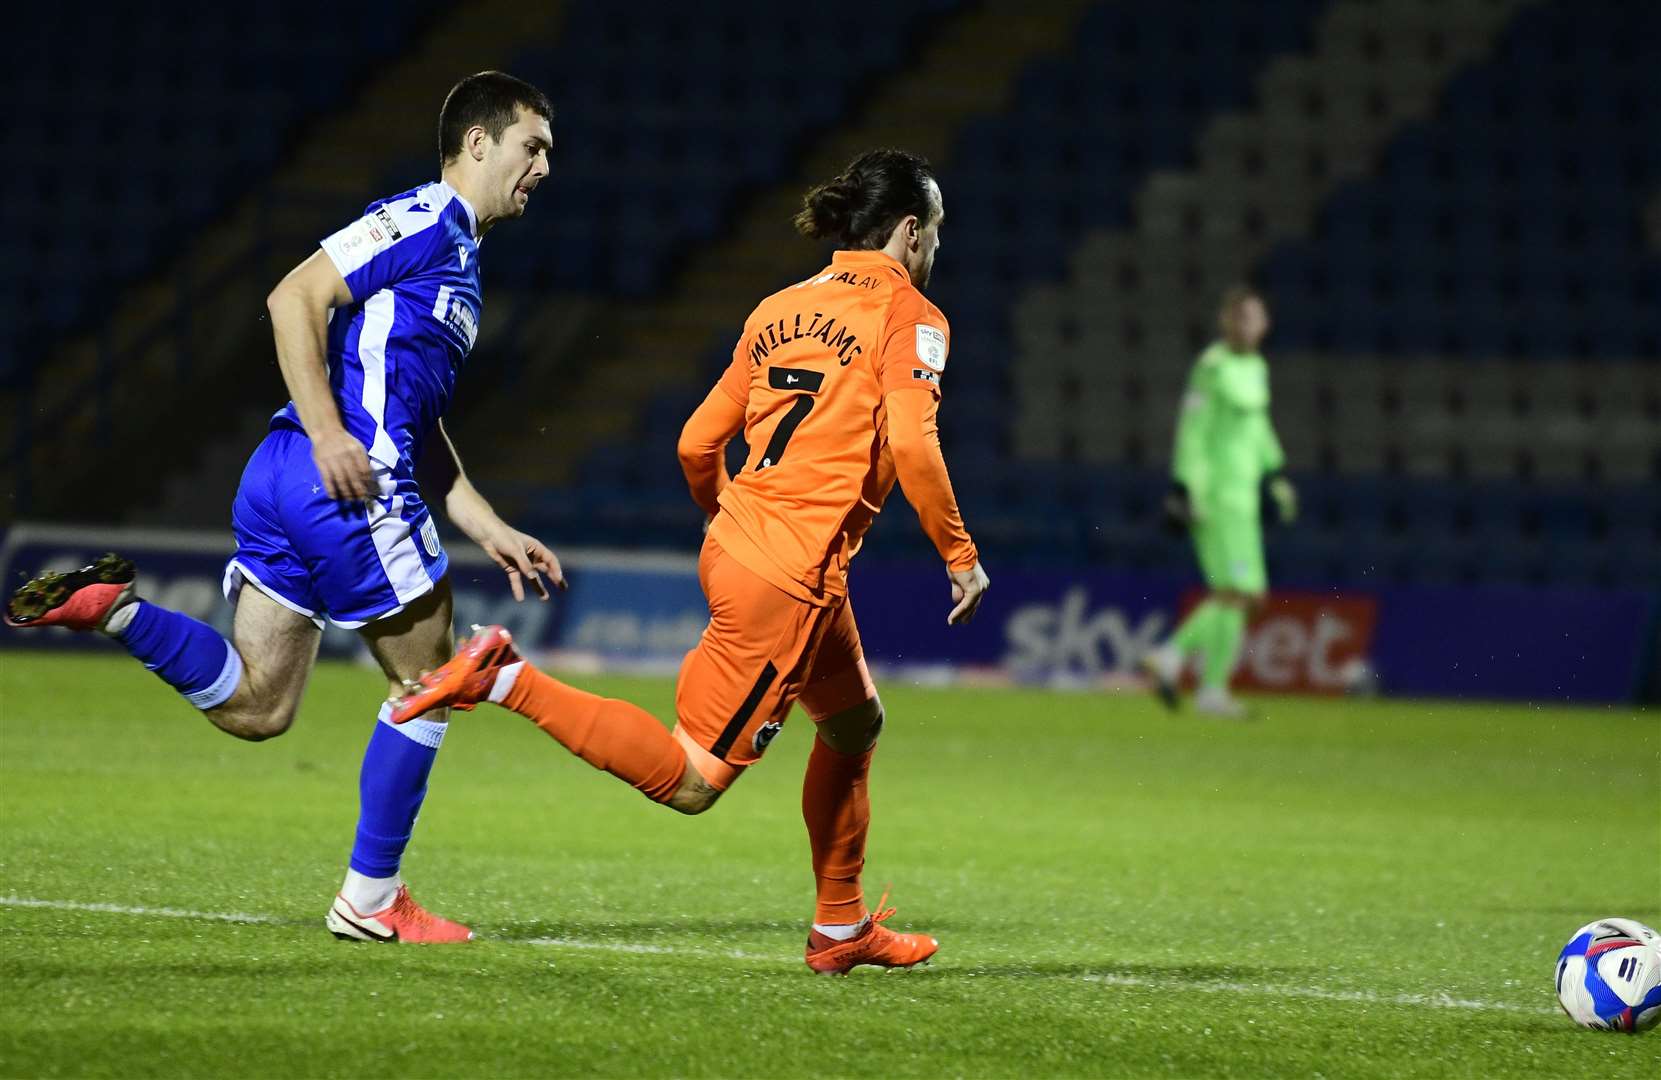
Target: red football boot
463, 682
80, 600
877, 945
402, 920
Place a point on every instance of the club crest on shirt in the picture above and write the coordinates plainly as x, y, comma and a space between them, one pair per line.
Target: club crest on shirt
931, 347
429, 537
765, 734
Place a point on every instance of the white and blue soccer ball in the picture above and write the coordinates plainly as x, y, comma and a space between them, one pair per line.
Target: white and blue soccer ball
1609, 976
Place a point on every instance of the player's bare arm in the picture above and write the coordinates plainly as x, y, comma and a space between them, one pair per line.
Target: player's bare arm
521, 556
921, 468
299, 308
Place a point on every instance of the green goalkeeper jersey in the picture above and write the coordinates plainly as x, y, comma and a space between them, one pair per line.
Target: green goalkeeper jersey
1225, 441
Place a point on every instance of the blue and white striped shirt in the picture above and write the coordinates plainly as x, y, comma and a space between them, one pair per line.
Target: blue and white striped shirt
412, 265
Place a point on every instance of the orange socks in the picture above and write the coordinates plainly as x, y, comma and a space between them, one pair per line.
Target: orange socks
836, 804
623, 739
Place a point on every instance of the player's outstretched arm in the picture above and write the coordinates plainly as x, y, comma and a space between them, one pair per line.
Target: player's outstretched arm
299, 308
521, 556
703, 446
914, 438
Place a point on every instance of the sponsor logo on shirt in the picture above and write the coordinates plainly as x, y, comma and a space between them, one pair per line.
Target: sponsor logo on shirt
926, 376
931, 347
384, 216
451, 310
783, 378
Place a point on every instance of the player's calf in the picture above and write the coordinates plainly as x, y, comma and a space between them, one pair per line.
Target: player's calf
612, 735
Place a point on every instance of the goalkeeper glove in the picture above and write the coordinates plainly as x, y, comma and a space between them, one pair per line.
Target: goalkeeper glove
1178, 508
1285, 497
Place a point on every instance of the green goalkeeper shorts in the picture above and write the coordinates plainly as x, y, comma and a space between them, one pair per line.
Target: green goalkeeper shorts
1230, 547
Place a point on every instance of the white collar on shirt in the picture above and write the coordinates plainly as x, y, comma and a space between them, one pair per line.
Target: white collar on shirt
472, 218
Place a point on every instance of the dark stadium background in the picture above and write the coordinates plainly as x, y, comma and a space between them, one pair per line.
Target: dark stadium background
1454, 207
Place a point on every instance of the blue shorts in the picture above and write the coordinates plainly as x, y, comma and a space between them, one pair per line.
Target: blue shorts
353, 562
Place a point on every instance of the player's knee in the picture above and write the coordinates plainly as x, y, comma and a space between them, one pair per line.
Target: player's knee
873, 725
692, 805
254, 722
693, 799
693, 794
254, 727
855, 730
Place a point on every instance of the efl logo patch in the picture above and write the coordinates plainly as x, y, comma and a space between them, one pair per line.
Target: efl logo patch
356, 239
931, 347
927, 376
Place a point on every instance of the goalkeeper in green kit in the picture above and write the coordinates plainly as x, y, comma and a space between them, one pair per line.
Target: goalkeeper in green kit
1225, 448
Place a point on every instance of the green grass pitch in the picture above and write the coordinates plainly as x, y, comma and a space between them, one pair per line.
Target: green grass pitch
1340, 889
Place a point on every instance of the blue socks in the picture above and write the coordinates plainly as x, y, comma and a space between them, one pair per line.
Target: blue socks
189, 655
390, 789
196, 661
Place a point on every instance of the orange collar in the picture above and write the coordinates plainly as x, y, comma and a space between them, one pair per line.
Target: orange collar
869, 259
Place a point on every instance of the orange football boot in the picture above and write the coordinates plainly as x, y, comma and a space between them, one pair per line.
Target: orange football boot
463, 682
877, 945
402, 920
80, 600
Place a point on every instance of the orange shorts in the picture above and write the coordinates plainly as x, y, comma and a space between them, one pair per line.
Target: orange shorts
762, 652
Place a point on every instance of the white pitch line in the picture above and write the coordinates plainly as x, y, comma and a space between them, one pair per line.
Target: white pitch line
1317, 993
1141, 982
118, 909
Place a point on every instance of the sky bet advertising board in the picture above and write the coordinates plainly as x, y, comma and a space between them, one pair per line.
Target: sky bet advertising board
1084, 629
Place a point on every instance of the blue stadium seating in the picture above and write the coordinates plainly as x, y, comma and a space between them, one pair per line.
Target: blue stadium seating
667, 115
158, 118
1510, 222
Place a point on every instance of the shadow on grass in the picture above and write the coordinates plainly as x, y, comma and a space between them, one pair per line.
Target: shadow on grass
1578, 915
1161, 973
656, 931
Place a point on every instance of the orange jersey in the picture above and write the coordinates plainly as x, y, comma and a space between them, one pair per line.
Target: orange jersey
810, 371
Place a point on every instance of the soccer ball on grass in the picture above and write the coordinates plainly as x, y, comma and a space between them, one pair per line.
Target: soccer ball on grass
1609, 976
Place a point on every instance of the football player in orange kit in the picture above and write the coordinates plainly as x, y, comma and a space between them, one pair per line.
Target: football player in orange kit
835, 384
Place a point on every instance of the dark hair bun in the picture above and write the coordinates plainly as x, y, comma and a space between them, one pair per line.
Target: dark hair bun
858, 208
828, 209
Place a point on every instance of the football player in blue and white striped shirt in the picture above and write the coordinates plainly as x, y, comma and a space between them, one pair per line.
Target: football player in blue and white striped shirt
331, 519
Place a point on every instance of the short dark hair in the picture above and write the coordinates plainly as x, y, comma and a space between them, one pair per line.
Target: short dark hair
491, 100
861, 206
1239, 293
